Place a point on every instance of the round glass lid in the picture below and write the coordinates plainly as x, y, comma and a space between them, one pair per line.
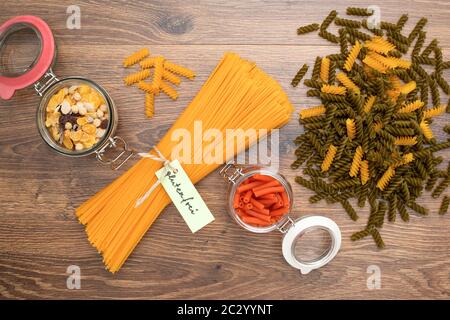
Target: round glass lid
311, 242
27, 52
20, 48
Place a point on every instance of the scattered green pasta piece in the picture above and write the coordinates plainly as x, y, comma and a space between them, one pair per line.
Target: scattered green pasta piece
308, 28
299, 76
328, 20
444, 205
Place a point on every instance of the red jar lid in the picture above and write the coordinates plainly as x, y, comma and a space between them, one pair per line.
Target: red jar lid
8, 85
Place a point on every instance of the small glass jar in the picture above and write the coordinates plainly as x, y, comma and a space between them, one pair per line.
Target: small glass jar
292, 229
40, 75
246, 173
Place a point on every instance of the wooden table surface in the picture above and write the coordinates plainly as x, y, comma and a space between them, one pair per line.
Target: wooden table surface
39, 190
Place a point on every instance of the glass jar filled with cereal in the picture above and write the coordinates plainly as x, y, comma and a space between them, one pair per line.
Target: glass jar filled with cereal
76, 116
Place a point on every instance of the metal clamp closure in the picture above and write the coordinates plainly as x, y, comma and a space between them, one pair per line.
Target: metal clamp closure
47, 80
117, 161
286, 225
234, 175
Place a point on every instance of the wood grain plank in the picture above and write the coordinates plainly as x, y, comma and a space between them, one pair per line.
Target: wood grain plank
39, 190
209, 22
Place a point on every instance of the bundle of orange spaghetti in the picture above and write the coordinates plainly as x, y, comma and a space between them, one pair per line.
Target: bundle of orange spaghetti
237, 95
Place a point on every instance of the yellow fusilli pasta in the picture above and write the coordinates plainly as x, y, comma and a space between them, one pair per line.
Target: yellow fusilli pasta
369, 103
426, 130
157, 76
396, 83
149, 104
136, 57
374, 64
356, 162
352, 55
406, 141
380, 45
408, 87
182, 71
393, 94
325, 69
148, 63
171, 92
172, 78
412, 106
385, 61
385, 178
377, 126
433, 112
329, 157
327, 88
147, 87
407, 158
364, 172
401, 63
136, 77
351, 128
312, 112
347, 82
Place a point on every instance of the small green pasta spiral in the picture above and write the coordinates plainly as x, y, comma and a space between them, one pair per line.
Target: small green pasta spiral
440, 188
316, 68
402, 21
331, 97
388, 26
329, 36
447, 129
328, 20
358, 34
433, 44
417, 208
360, 235
352, 11
377, 238
313, 93
438, 57
350, 210
435, 95
403, 48
308, 28
402, 211
299, 76
419, 26
343, 41
399, 37
347, 23
444, 205
392, 208
443, 84
431, 181
362, 195
315, 84
419, 44
419, 59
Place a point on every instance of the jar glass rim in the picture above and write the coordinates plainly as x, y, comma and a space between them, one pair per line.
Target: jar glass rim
41, 114
248, 172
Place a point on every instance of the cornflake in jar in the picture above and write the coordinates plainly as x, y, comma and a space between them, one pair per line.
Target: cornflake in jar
77, 117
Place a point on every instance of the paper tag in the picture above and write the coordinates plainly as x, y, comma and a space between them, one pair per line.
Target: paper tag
185, 196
